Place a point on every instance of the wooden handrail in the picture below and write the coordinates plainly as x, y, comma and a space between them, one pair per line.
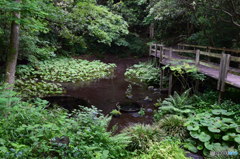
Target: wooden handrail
210, 48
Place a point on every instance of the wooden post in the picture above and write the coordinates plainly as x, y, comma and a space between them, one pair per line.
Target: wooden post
208, 50
220, 72
225, 71
155, 50
161, 79
170, 74
150, 50
161, 54
224, 67
170, 53
197, 60
170, 83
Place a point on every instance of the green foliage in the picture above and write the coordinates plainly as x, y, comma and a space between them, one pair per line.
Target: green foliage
142, 136
213, 131
173, 126
141, 112
128, 92
183, 69
33, 80
31, 131
143, 74
115, 112
167, 149
176, 104
73, 70
35, 88
92, 20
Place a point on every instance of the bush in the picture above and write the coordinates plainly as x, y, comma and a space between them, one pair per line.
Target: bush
31, 131
176, 104
173, 126
142, 135
167, 149
143, 74
213, 131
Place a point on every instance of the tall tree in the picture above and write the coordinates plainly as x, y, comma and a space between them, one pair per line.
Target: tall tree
13, 48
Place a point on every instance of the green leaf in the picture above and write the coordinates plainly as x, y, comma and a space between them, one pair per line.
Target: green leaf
225, 137
237, 139
191, 147
213, 129
193, 128
204, 137
208, 146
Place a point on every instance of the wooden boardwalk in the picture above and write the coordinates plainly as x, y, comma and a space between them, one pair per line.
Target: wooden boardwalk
219, 63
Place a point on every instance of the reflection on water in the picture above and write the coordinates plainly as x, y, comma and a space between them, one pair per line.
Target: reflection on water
106, 93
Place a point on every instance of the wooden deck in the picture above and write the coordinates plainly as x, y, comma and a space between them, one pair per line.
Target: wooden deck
223, 71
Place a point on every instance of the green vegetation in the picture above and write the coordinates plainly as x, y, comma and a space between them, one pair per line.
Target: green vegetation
214, 131
186, 73
29, 130
173, 125
142, 136
115, 113
143, 74
141, 112
42, 78
41, 43
163, 150
211, 127
176, 104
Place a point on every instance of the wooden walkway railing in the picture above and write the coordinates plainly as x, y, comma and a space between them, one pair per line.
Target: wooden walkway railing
219, 63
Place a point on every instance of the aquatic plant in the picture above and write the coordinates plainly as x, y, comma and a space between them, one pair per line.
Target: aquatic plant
44, 78
141, 112
128, 92
143, 74
115, 113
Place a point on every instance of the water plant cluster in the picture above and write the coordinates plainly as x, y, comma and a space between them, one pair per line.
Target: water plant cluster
45, 77
144, 73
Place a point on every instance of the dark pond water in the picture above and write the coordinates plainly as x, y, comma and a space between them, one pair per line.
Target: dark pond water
106, 93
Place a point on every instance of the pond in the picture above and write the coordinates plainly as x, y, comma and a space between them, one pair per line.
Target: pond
106, 94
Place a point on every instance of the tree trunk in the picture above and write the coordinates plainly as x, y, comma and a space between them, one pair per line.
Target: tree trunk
151, 30
13, 49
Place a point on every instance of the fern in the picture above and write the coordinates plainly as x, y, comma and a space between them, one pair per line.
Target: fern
176, 104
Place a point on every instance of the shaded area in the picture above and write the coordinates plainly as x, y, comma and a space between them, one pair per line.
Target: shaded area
67, 102
106, 94
129, 107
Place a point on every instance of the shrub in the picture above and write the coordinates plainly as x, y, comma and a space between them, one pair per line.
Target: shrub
31, 131
173, 126
166, 149
213, 131
176, 104
143, 74
142, 135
